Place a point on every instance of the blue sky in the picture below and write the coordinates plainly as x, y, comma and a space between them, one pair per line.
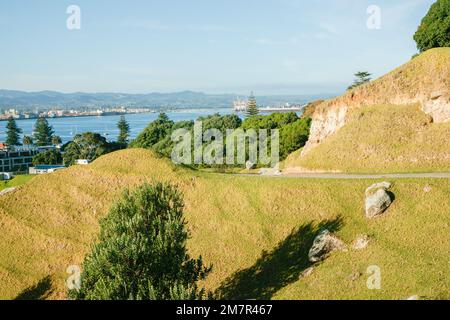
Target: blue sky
215, 46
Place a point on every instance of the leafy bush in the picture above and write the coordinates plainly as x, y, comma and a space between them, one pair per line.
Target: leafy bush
48, 157
87, 146
141, 253
434, 30
154, 133
294, 136
273, 121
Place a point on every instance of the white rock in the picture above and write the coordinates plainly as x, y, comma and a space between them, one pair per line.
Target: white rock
361, 242
377, 199
250, 165
323, 245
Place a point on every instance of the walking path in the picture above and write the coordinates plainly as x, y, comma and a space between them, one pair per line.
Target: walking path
435, 175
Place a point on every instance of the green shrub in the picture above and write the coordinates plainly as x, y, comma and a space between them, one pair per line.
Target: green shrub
141, 253
48, 157
434, 31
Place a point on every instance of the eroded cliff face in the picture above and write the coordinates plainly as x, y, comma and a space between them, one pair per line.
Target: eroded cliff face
332, 116
424, 80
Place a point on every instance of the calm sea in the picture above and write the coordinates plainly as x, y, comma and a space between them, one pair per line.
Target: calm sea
66, 128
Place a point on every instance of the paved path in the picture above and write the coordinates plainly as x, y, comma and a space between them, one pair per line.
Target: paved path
355, 176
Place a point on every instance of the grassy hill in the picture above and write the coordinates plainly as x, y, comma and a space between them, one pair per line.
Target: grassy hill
383, 138
397, 123
256, 232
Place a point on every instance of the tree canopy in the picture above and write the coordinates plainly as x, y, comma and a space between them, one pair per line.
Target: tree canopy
362, 77
434, 30
50, 157
124, 130
252, 107
43, 132
13, 133
87, 146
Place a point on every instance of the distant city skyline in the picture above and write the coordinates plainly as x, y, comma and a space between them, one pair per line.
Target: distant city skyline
273, 47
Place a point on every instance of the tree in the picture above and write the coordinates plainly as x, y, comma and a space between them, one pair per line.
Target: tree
43, 132
252, 107
87, 146
294, 136
434, 30
154, 133
56, 140
141, 253
13, 133
124, 129
362, 77
27, 140
48, 157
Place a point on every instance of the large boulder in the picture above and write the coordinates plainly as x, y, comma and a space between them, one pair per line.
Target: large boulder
323, 245
378, 199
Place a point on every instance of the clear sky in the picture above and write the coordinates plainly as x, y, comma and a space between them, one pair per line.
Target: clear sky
215, 46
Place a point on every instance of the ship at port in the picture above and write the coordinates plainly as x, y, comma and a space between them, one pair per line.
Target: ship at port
241, 105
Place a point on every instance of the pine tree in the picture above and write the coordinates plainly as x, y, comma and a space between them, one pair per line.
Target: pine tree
13, 133
43, 132
124, 129
141, 253
252, 107
362, 77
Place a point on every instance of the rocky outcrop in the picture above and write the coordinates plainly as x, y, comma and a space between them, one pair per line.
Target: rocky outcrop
323, 245
377, 199
424, 81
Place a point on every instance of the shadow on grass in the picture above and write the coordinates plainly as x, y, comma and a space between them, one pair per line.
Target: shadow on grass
39, 291
278, 268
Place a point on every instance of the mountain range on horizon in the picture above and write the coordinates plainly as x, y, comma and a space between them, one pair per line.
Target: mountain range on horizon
22, 100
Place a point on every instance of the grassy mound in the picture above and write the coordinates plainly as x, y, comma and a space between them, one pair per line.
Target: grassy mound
256, 232
414, 81
383, 138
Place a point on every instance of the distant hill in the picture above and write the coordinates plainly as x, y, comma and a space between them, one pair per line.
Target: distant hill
185, 99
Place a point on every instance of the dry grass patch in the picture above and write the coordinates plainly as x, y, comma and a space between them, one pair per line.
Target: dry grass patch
384, 138
259, 228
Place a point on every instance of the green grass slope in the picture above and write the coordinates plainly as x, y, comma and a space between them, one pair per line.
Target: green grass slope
256, 232
384, 138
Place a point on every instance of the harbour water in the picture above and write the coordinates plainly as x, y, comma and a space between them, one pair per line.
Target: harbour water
67, 128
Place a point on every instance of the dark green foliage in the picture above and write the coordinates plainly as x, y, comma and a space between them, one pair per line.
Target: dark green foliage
362, 77
222, 123
48, 157
155, 132
43, 132
293, 136
252, 107
87, 146
141, 252
124, 131
434, 30
13, 133
273, 121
